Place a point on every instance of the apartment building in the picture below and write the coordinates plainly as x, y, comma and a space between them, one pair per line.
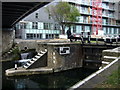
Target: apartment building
40, 25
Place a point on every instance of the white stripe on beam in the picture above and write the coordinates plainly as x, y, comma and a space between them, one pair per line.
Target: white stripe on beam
104, 62
110, 57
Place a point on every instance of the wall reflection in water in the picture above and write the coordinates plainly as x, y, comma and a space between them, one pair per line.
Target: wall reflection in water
63, 79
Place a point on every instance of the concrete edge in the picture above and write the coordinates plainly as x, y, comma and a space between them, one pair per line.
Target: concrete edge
97, 77
13, 72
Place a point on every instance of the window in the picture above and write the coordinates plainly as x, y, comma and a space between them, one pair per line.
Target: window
21, 26
56, 27
45, 25
85, 19
87, 28
81, 19
49, 36
83, 1
33, 36
111, 6
110, 31
39, 36
104, 29
46, 36
115, 30
49, 16
52, 35
34, 25
36, 15
50, 26
29, 36
107, 30
74, 29
24, 25
83, 9
118, 30
78, 29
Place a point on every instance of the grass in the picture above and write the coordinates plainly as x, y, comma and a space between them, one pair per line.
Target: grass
113, 81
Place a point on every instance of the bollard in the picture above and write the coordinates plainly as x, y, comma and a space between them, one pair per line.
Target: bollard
89, 39
15, 66
82, 40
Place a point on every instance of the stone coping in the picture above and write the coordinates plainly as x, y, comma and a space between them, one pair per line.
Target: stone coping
23, 71
63, 43
116, 50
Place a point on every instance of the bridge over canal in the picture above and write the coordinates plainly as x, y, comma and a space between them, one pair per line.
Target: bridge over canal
12, 12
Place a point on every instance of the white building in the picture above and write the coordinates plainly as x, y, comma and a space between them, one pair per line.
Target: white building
40, 25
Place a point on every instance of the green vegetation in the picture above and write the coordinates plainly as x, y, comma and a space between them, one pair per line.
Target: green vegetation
16, 54
62, 13
112, 82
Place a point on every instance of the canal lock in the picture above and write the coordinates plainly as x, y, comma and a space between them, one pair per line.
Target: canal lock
92, 56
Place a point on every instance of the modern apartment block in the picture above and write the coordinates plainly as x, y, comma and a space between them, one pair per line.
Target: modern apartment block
40, 25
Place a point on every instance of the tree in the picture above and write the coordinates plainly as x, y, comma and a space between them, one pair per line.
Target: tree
62, 13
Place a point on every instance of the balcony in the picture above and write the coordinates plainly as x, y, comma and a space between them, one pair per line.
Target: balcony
108, 1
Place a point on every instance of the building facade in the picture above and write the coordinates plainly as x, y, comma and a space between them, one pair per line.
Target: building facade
40, 25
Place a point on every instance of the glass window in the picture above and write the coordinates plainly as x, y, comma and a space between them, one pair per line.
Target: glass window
29, 36
87, 28
81, 19
45, 25
39, 36
50, 26
49, 16
24, 25
56, 27
21, 26
34, 25
109, 30
34, 36
79, 29
115, 30
118, 30
74, 29
36, 15
47, 36
112, 30
104, 30
52, 35
83, 1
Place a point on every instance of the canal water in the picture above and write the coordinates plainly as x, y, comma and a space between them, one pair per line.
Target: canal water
61, 80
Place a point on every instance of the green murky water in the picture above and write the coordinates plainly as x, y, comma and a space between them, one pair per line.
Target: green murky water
61, 80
